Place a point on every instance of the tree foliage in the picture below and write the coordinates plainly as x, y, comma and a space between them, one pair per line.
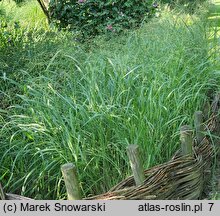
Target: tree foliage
92, 17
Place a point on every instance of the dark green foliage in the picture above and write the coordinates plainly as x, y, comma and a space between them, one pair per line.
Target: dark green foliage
9, 35
19, 1
92, 17
2, 12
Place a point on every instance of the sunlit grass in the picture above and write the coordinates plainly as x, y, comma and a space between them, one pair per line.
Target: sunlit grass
29, 15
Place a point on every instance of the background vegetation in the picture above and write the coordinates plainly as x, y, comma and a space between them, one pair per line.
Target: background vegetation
66, 101
92, 17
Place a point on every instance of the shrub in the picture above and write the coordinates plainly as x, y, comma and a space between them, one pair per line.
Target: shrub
92, 17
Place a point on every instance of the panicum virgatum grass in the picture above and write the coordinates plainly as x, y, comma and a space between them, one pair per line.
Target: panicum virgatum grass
85, 103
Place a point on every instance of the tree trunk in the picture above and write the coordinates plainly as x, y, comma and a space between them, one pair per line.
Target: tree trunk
44, 4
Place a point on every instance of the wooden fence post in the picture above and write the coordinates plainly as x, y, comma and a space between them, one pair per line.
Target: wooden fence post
199, 126
2, 194
71, 181
136, 164
186, 139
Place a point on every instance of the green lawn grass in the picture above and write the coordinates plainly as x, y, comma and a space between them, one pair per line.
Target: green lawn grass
84, 103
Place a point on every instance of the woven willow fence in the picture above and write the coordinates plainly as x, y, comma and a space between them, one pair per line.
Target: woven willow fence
184, 177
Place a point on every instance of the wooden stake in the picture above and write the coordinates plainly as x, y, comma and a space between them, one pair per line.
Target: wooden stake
71, 181
186, 140
199, 126
136, 164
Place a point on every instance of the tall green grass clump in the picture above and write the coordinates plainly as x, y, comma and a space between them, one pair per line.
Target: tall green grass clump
85, 103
